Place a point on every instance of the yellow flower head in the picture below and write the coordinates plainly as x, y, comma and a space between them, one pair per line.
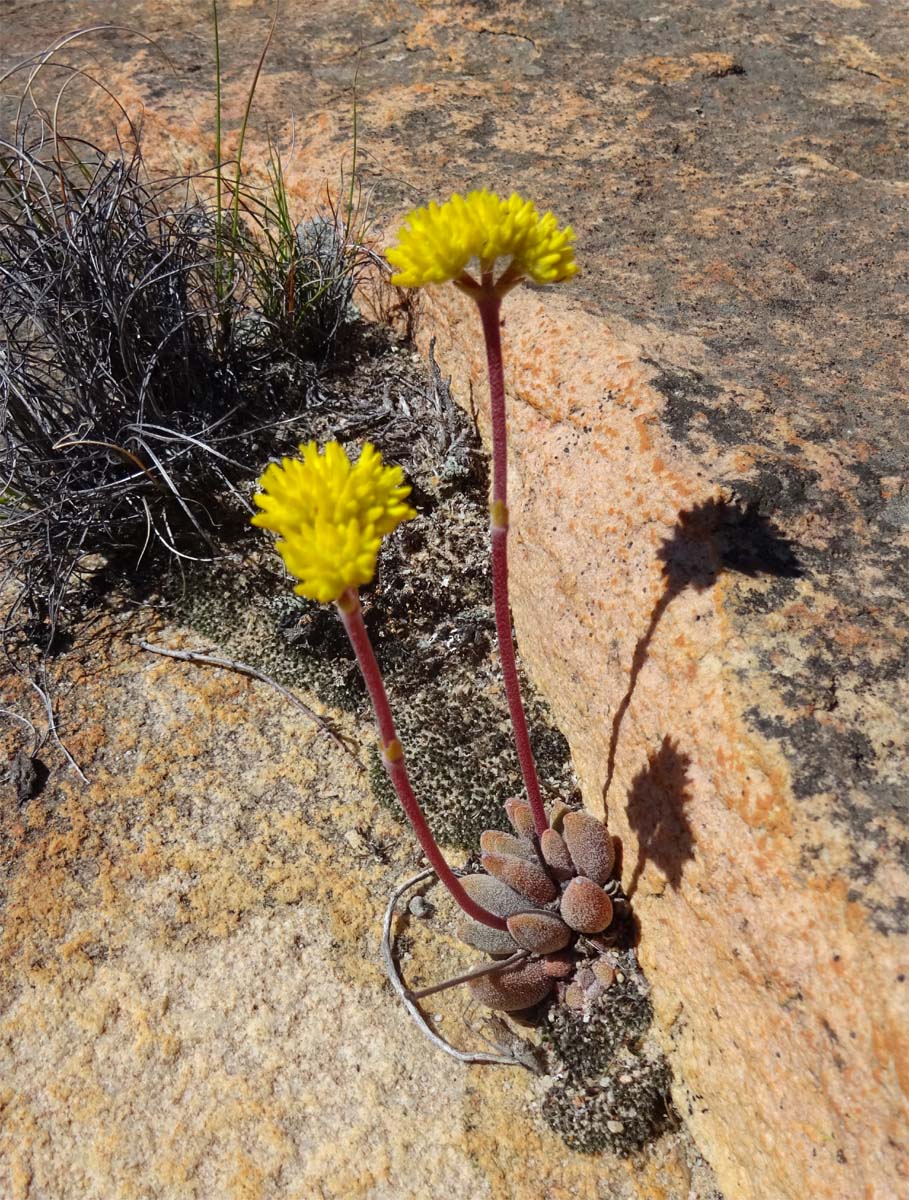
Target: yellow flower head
437, 243
331, 515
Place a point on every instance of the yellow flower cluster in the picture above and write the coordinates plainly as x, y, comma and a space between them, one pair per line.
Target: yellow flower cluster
331, 515
438, 242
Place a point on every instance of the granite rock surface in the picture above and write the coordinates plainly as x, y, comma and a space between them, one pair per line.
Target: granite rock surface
192, 1003
709, 478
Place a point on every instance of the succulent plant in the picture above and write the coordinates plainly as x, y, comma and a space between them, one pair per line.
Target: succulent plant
552, 891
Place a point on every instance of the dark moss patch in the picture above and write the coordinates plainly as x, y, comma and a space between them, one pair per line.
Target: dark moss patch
688, 395
611, 1082
461, 756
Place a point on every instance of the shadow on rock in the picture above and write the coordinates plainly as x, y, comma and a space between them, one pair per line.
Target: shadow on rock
712, 537
656, 812
721, 535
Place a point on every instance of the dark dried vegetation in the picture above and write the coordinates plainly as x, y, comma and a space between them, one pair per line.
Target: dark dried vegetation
148, 340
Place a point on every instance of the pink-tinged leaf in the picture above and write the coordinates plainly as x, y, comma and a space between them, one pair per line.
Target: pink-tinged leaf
540, 932
494, 842
555, 852
520, 815
575, 997
511, 990
558, 966
493, 895
496, 942
590, 845
585, 907
528, 878
557, 814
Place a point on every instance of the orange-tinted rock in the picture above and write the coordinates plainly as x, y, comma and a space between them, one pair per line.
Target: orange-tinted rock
184, 916
590, 845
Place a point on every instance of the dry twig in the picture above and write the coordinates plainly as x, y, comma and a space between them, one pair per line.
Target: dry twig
228, 664
408, 998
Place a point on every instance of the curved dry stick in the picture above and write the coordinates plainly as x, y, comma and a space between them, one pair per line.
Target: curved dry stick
406, 996
489, 968
52, 730
228, 664
69, 441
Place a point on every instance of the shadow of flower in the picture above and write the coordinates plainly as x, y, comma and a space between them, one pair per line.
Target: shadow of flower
656, 812
712, 537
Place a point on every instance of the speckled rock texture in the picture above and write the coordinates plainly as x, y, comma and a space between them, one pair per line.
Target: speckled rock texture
192, 1004
710, 506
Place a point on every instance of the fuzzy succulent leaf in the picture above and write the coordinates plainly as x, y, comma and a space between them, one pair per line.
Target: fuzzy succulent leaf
494, 895
520, 815
513, 989
525, 877
493, 841
557, 815
585, 906
495, 942
555, 852
590, 845
539, 932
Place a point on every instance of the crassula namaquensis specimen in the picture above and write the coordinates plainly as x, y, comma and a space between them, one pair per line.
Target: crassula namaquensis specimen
560, 911
547, 890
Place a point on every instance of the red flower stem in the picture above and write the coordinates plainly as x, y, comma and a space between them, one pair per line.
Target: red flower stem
489, 305
393, 758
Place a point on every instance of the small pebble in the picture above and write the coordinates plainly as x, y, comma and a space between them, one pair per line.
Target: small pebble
604, 973
574, 996
615, 1126
354, 839
419, 908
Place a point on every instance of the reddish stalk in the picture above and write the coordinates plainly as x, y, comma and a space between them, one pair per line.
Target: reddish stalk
489, 304
393, 758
